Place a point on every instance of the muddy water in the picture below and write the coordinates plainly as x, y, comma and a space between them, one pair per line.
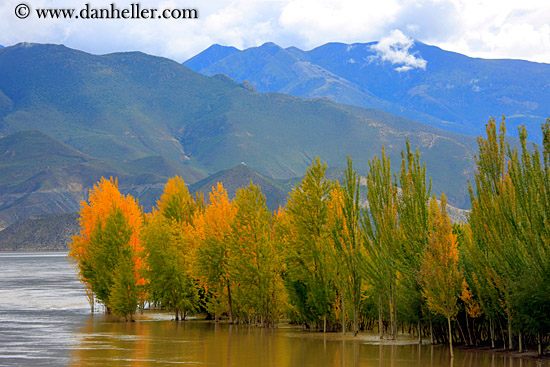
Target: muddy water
45, 321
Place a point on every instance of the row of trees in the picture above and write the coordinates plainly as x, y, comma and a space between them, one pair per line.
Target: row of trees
329, 263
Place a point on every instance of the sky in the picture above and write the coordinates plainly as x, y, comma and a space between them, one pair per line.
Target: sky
483, 28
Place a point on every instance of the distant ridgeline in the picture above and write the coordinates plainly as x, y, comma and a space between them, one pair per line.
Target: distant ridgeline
437, 87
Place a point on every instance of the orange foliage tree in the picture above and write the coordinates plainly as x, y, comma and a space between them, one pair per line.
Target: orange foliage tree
104, 198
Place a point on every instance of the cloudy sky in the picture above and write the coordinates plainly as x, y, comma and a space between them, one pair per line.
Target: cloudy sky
483, 28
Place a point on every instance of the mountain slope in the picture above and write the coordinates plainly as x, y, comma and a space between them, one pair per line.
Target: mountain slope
48, 232
39, 174
453, 91
142, 117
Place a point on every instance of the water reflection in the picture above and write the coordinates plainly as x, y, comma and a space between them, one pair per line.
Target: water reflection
153, 341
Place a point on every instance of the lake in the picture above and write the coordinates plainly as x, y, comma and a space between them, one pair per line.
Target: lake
45, 320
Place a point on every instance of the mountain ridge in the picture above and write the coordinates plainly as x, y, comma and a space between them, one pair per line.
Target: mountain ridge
453, 91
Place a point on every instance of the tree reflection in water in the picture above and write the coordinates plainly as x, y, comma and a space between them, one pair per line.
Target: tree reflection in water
154, 340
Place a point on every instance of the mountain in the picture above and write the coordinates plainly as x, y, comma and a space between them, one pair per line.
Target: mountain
141, 117
48, 232
423, 82
39, 174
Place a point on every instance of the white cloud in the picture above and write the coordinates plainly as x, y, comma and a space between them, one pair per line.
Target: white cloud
395, 49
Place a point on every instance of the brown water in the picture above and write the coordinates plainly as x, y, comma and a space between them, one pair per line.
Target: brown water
157, 342
45, 321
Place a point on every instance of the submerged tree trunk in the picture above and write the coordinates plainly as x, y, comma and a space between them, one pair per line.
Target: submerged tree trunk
450, 336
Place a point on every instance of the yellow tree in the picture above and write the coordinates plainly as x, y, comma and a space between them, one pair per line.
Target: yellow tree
441, 277
168, 240
210, 260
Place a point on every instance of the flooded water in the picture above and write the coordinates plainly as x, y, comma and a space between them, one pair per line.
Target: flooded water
45, 320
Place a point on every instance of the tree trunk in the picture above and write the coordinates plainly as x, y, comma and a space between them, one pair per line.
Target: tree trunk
343, 312
392, 316
380, 324
492, 332
324, 323
431, 332
461, 332
539, 342
510, 340
355, 305
419, 328
230, 303
450, 336
469, 331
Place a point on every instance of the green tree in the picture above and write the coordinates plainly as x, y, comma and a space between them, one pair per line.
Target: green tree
254, 265
414, 221
346, 214
124, 295
382, 236
106, 247
310, 269
168, 240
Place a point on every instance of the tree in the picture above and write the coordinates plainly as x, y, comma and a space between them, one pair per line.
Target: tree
210, 260
104, 254
382, 235
168, 240
441, 277
345, 217
414, 221
124, 295
254, 265
104, 200
310, 269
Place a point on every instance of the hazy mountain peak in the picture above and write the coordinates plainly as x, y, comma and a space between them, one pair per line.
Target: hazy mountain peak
212, 54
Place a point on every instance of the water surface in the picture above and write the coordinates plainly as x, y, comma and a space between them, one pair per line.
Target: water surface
45, 320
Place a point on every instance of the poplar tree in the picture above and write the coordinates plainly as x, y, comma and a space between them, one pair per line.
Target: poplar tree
495, 247
254, 265
168, 240
211, 255
310, 270
105, 201
414, 221
346, 215
441, 277
382, 236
